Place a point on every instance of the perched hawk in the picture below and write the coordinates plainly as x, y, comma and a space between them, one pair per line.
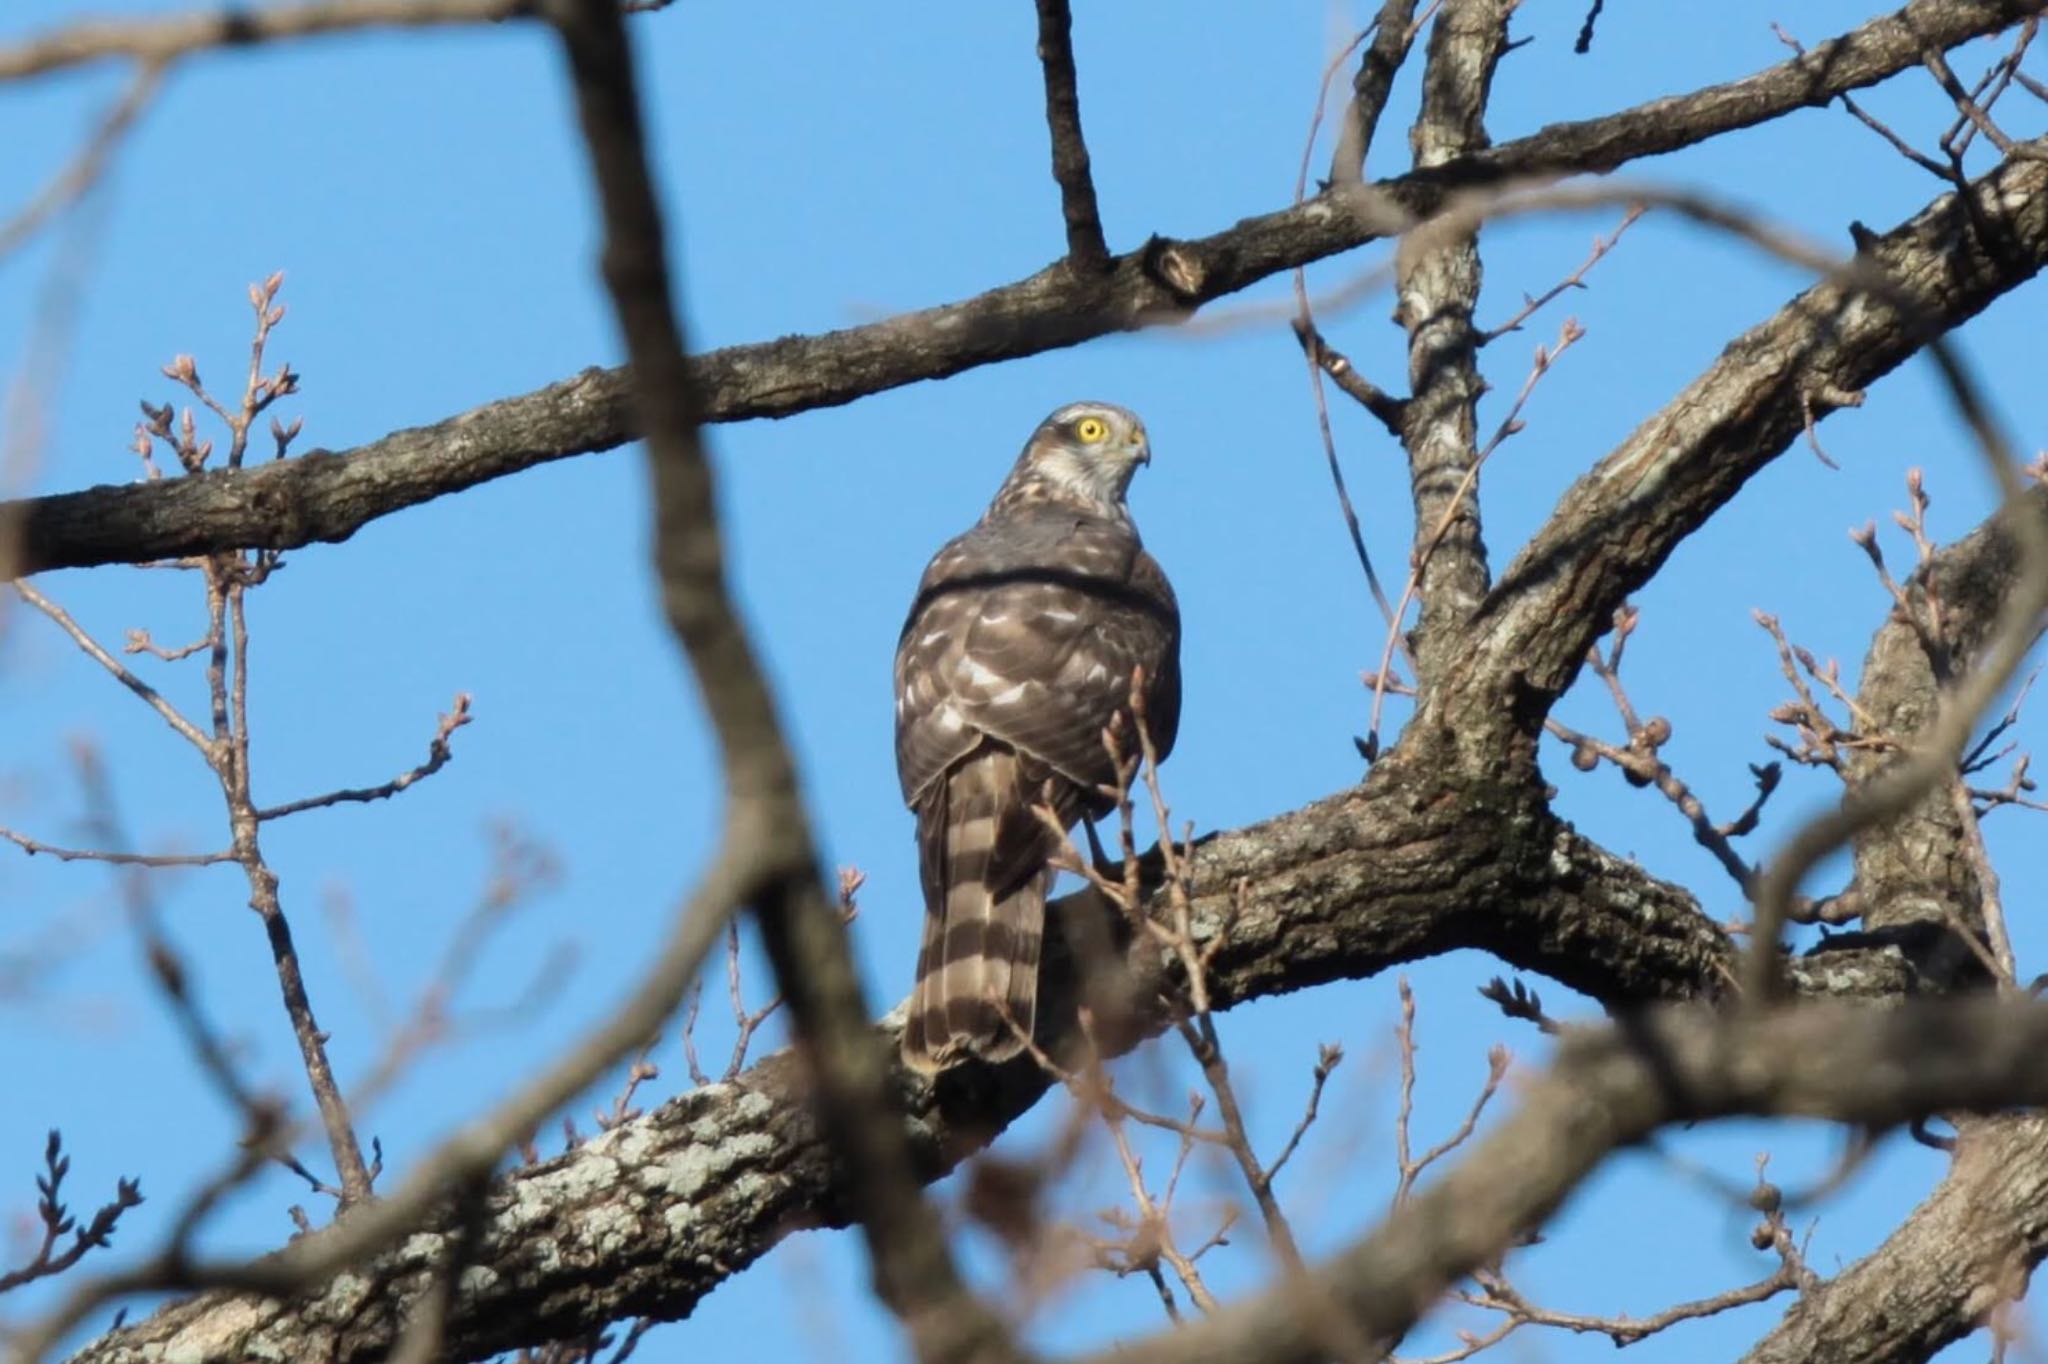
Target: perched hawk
1018, 651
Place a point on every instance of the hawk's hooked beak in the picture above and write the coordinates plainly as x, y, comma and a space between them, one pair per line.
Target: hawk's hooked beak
1140, 447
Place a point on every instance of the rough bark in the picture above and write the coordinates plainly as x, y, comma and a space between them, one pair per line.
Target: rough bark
1438, 287
1616, 525
650, 1217
1974, 1241
1967, 1248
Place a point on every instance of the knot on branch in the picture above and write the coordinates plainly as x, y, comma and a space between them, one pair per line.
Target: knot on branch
1177, 268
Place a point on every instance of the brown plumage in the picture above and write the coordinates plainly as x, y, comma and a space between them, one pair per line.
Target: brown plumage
1017, 652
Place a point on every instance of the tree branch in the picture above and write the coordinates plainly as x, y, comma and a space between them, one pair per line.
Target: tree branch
1437, 287
1975, 1239
1876, 1067
1614, 527
1087, 252
155, 41
672, 1204
1393, 34
767, 829
323, 496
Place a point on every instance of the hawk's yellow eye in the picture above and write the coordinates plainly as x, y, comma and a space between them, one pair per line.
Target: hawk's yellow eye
1091, 430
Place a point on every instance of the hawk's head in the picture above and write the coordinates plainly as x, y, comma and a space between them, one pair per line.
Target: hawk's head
1083, 452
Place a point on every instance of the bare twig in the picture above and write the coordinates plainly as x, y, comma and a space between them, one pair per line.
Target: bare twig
1328, 1056
1519, 1001
120, 859
439, 752
1575, 280
57, 1221
161, 40
148, 694
1409, 1168
1321, 360
1946, 174
1978, 116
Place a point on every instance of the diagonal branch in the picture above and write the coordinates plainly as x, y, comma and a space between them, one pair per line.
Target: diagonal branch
767, 830
1874, 1066
1087, 252
1974, 1239
76, 179
1615, 526
1393, 34
324, 496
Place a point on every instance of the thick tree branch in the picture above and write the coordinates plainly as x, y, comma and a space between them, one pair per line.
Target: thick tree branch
1437, 288
1978, 1236
652, 1216
327, 497
1615, 526
1876, 1067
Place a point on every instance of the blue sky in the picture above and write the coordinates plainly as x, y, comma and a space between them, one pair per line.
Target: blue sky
827, 165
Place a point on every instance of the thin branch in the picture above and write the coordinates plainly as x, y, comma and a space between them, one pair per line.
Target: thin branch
767, 832
74, 181
162, 40
1498, 1294
439, 752
1575, 280
1086, 250
1328, 1056
1946, 174
1383, 405
148, 694
1386, 408
1610, 1087
58, 1222
1975, 112
1410, 1168
1393, 34
119, 859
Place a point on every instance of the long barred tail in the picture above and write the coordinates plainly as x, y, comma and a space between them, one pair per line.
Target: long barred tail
983, 857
